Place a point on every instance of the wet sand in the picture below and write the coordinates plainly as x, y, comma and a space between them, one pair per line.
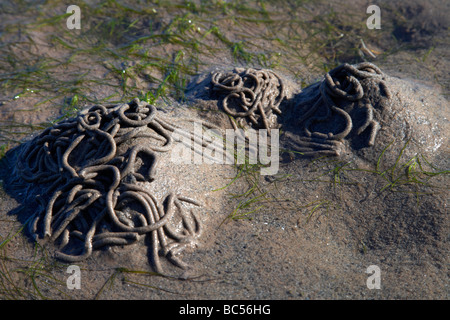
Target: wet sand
289, 249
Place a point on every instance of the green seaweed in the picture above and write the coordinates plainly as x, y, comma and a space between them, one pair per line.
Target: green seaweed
150, 50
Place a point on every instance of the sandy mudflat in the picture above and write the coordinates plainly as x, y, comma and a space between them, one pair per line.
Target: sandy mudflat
317, 229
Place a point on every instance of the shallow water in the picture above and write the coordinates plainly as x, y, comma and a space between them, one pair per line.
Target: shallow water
313, 238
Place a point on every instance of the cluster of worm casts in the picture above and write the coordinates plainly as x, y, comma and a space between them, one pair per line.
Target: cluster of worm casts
95, 193
255, 96
251, 95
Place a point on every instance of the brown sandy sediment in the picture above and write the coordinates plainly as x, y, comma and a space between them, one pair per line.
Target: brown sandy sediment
322, 224
312, 238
